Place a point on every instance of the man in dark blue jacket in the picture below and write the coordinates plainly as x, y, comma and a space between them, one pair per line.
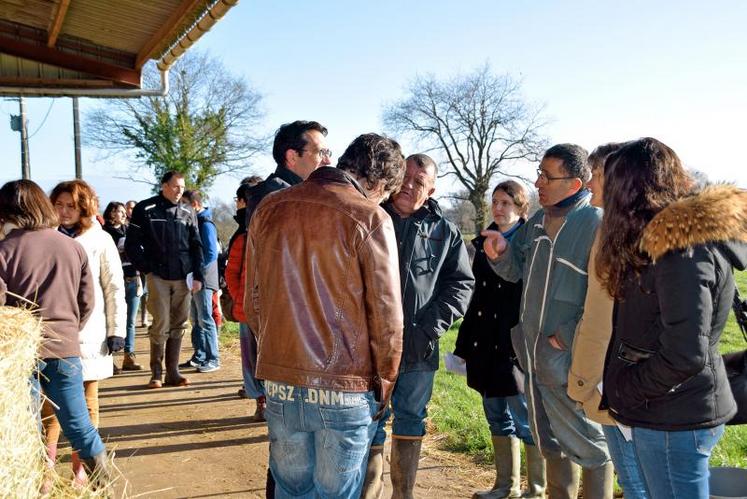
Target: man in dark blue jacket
437, 283
163, 243
206, 357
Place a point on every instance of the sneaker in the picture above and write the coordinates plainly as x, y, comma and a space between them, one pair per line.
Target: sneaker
189, 363
208, 367
242, 394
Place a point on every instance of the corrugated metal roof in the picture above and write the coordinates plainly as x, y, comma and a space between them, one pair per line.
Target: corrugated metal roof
92, 43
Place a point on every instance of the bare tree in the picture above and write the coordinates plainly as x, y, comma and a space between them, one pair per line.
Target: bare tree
206, 126
479, 122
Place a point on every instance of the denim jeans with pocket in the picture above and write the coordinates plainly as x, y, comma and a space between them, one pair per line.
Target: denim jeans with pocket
410, 398
675, 463
319, 440
508, 416
61, 380
204, 330
133, 302
622, 452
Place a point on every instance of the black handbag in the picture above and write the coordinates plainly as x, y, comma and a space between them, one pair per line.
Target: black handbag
736, 364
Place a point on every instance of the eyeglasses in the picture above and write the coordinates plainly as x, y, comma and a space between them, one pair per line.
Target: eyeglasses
544, 177
321, 153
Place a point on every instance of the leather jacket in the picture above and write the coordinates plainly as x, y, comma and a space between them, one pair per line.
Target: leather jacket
323, 289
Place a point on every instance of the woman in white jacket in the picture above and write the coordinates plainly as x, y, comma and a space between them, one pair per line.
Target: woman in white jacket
104, 333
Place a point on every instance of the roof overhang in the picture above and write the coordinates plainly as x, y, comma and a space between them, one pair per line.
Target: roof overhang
96, 47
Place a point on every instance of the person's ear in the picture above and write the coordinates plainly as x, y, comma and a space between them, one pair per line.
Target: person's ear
291, 157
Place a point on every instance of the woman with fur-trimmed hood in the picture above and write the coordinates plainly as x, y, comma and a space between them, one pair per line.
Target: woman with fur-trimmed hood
667, 257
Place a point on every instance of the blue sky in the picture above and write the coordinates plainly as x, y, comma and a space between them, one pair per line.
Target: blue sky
605, 71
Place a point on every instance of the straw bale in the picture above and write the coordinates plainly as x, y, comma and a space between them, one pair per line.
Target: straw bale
22, 460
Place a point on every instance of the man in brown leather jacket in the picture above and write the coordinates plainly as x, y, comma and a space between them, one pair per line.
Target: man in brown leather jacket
323, 295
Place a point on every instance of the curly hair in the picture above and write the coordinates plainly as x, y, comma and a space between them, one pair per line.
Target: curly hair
642, 178
84, 198
110, 208
373, 157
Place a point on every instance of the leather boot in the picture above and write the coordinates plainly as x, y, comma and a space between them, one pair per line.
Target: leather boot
507, 459
536, 477
562, 478
404, 466
129, 363
373, 485
156, 365
598, 482
173, 349
99, 470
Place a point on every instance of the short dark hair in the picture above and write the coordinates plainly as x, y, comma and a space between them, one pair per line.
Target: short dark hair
599, 155
372, 157
574, 158
169, 175
518, 195
113, 205
291, 136
23, 203
251, 180
193, 196
246, 185
424, 161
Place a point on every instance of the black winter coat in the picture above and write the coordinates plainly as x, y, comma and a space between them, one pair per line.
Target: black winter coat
436, 280
163, 238
484, 339
663, 369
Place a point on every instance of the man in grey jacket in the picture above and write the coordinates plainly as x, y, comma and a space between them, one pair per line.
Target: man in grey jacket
437, 283
551, 254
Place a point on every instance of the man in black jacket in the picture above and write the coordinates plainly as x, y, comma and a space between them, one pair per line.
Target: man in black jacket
163, 243
437, 283
299, 149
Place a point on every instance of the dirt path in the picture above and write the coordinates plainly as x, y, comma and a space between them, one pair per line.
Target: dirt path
197, 442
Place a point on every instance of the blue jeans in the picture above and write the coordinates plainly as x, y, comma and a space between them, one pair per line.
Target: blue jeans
133, 302
675, 463
204, 331
507, 416
62, 382
248, 345
622, 452
319, 440
410, 398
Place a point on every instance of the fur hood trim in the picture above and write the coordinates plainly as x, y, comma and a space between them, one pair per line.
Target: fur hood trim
717, 213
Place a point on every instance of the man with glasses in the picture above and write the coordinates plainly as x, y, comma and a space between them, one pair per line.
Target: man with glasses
299, 149
550, 253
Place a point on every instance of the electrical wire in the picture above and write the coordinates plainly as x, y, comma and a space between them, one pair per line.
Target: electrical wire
44, 120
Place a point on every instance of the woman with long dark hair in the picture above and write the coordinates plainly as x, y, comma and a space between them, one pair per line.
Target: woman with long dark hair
115, 224
484, 342
666, 257
60, 283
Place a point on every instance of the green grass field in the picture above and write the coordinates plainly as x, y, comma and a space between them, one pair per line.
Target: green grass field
456, 410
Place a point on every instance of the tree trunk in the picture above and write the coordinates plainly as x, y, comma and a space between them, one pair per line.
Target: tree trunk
477, 198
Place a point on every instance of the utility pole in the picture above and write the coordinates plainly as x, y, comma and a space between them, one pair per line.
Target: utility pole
25, 162
76, 138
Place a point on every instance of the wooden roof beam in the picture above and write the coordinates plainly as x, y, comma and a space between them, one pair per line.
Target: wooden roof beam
67, 60
56, 26
174, 20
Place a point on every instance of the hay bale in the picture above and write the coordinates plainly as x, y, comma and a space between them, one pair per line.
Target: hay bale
24, 468
22, 454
